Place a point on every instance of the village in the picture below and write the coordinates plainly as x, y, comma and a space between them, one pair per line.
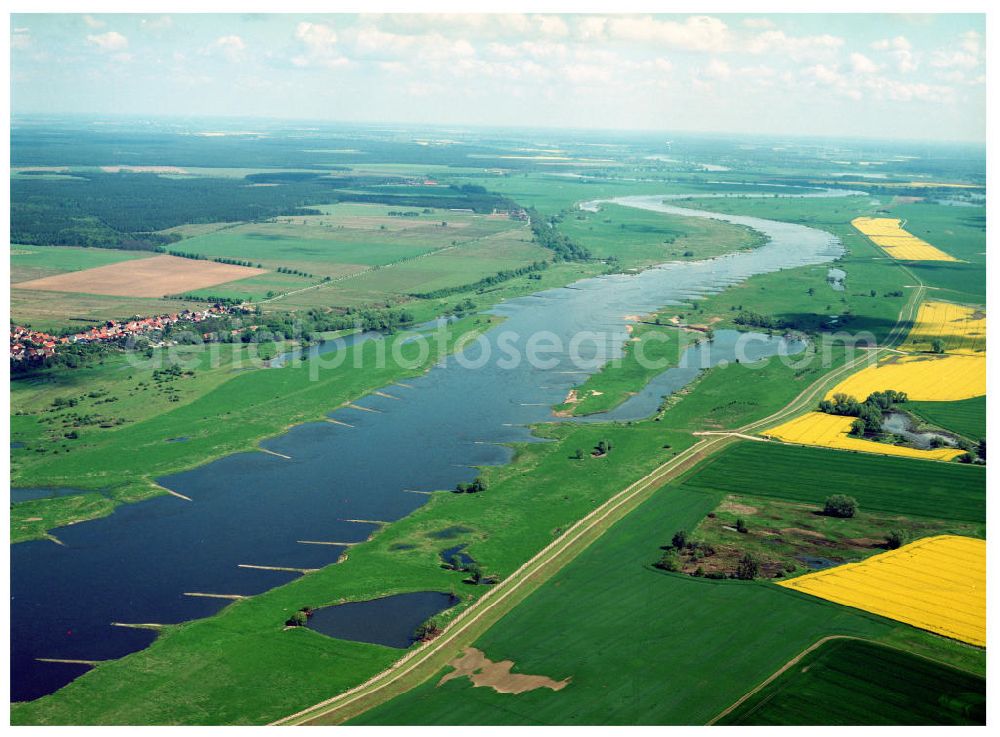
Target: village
28, 344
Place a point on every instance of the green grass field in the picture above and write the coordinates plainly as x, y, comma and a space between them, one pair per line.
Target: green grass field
851, 682
966, 417
958, 231
642, 238
946, 491
641, 646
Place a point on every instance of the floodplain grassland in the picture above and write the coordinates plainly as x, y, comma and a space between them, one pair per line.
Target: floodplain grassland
661, 348
241, 666
221, 412
790, 537
853, 682
947, 491
643, 238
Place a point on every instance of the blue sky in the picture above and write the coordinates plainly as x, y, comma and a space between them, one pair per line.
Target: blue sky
898, 76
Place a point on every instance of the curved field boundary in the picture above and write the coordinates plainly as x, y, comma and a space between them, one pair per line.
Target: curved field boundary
815, 646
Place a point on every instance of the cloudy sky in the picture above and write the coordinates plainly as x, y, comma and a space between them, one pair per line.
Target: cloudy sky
899, 76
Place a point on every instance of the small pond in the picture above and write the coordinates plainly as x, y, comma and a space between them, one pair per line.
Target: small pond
835, 278
389, 621
900, 423
816, 564
456, 557
28, 494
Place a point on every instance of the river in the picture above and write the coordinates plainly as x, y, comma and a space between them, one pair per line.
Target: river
252, 508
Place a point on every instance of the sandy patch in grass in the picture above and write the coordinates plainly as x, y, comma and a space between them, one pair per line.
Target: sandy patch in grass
804, 532
474, 665
147, 277
736, 508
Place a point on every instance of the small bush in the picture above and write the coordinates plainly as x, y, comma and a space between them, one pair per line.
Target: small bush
748, 568
669, 562
840, 505
895, 539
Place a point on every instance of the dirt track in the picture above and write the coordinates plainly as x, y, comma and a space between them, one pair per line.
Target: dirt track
157, 276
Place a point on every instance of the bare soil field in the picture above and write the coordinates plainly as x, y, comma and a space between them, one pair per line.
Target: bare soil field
150, 277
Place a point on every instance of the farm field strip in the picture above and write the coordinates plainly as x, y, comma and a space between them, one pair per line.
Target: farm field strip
961, 329
156, 276
923, 378
937, 584
831, 431
888, 234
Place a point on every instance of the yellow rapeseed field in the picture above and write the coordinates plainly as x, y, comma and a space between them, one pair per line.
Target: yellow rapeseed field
891, 238
831, 431
961, 329
937, 584
924, 378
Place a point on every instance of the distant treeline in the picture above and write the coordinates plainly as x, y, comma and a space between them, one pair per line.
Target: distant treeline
123, 210
484, 283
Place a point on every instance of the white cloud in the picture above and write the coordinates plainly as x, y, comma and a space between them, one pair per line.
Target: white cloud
231, 47
93, 22
718, 69
972, 42
316, 36
696, 33
795, 47
861, 64
758, 23
826, 75
21, 39
156, 24
968, 54
322, 47
900, 50
110, 41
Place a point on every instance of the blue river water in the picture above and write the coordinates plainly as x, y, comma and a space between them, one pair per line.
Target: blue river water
254, 508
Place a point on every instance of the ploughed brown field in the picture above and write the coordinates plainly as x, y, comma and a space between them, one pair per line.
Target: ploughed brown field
148, 277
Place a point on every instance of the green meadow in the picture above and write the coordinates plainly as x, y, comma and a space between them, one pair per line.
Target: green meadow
846, 682
640, 646
966, 417
949, 491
